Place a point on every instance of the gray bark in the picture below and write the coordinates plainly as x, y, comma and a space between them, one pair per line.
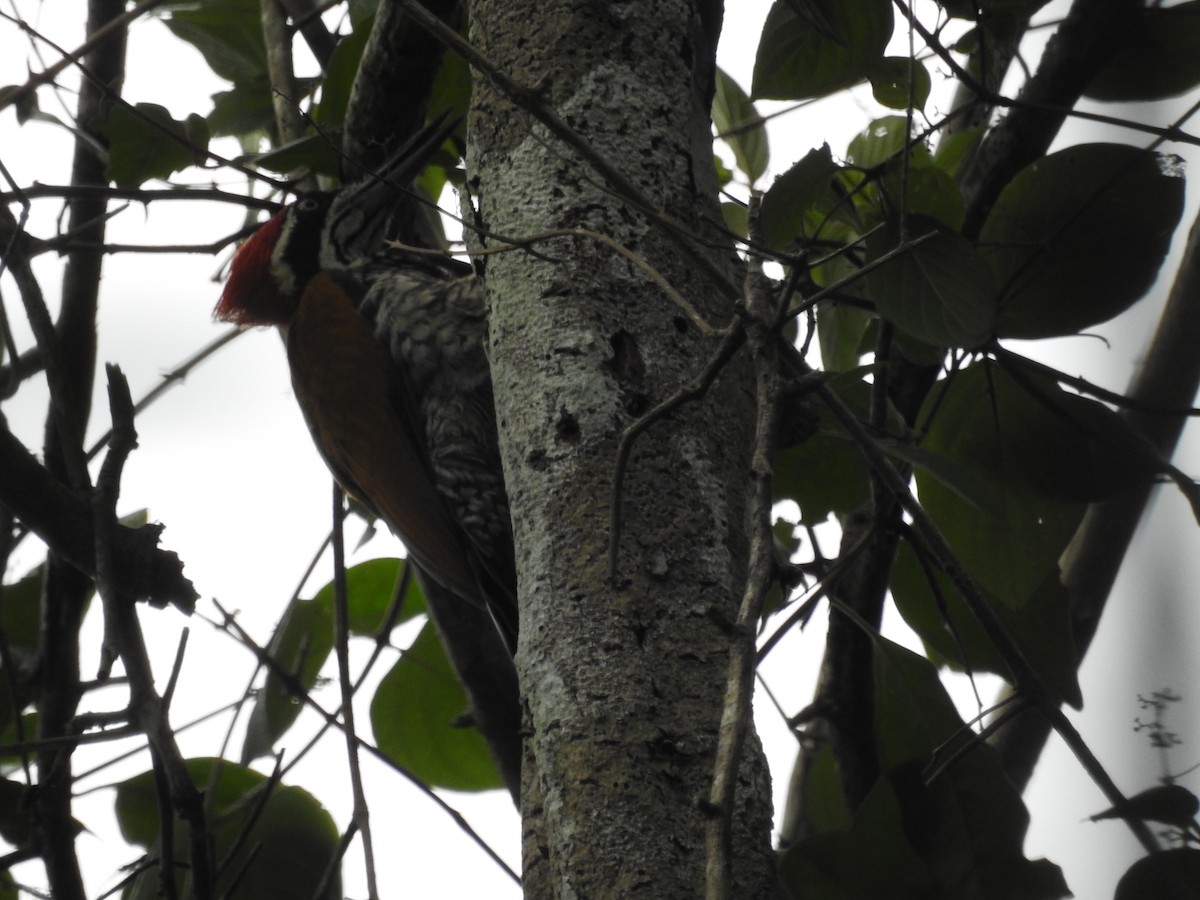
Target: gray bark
622, 683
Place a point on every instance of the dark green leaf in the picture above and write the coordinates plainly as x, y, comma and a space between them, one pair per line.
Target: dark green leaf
736, 218
826, 474
883, 141
18, 823
290, 845
228, 33
243, 111
369, 589
1170, 875
939, 290
740, 126
20, 616
339, 78
968, 823
1171, 804
813, 868
1078, 237
842, 330
825, 806
890, 82
27, 106
724, 173
1158, 59
874, 859
414, 716
304, 639
823, 475
953, 149
451, 89
300, 646
797, 60
361, 12
915, 715
1091, 453
960, 479
953, 636
146, 143
923, 190
794, 193
971, 9
317, 153
987, 423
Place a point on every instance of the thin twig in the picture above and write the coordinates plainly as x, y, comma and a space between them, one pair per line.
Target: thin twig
733, 336
341, 642
739, 688
123, 636
169, 380
298, 691
95, 39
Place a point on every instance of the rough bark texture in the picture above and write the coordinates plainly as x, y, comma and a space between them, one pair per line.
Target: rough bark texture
622, 684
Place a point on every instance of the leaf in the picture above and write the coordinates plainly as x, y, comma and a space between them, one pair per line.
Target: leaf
339, 77
18, 821
1041, 628
1156, 60
957, 478
740, 126
959, 835
890, 79
228, 33
953, 150
968, 823
873, 859
146, 143
923, 190
300, 646
797, 59
842, 330
986, 423
825, 807
981, 9
451, 90
939, 290
826, 473
414, 714
1171, 804
243, 111
21, 616
1078, 237
317, 152
292, 841
1169, 875
883, 141
794, 193
304, 638
736, 218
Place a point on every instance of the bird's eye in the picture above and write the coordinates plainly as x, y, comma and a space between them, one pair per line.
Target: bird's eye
308, 204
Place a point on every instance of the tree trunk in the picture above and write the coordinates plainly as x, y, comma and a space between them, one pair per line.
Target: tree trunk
622, 682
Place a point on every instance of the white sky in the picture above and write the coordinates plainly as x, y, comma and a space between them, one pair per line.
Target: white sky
226, 463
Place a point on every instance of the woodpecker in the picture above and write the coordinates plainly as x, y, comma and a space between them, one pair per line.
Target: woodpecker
388, 364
